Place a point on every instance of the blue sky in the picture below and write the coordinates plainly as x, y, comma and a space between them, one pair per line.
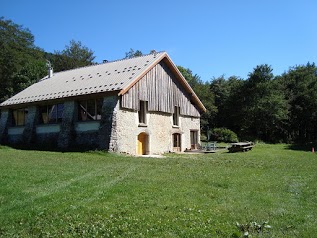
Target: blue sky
211, 38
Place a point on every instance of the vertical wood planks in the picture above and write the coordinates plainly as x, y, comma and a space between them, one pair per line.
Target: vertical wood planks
162, 91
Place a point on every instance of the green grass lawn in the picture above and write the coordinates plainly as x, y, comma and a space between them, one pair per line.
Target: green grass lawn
53, 194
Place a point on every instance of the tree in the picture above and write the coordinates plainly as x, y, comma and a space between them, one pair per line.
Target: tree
300, 86
132, 54
228, 101
265, 106
208, 99
17, 52
74, 55
202, 89
193, 80
22, 63
30, 73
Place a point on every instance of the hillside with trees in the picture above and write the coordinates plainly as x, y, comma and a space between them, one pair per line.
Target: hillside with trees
267, 107
22, 63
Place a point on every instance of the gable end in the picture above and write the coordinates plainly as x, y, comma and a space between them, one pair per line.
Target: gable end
163, 91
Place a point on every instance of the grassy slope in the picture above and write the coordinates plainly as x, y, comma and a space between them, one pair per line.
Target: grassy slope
84, 194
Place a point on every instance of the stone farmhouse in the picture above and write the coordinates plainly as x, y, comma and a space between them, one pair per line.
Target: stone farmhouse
138, 106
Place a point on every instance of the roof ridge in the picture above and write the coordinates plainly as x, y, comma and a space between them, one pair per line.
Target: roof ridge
108, 62
123, 59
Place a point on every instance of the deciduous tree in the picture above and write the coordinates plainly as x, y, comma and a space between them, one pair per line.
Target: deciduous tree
132, 53
202, 89
300, 86
17, 55
74, 55
265, 106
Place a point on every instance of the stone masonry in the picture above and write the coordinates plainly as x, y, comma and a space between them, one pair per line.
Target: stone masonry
5, 122
29, 132
108, 121
67, 132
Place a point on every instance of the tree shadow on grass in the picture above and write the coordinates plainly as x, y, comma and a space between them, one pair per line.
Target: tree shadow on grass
302, 147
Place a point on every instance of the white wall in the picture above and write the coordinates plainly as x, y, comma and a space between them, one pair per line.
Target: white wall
159, 128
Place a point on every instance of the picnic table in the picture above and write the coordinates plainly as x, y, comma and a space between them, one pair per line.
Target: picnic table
211, 146
240, 147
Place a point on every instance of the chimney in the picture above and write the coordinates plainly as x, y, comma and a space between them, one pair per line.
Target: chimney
50, 72
49, 69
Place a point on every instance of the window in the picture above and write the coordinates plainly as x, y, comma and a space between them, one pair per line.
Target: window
176, 116
19, 116
89, 110
142, 112
51, 113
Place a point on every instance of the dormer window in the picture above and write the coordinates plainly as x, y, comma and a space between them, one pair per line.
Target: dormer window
142, 113
176, 116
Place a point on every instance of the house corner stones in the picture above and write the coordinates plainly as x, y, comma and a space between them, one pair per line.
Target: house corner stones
5, 122
107, 128
29, 132
67, 133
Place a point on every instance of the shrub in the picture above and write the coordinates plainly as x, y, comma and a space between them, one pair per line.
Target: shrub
223, 134
203, 137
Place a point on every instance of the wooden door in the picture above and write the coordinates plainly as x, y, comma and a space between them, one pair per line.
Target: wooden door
177, 142
194, 139
142, 144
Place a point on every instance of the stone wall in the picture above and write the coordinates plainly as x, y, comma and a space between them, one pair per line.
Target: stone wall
29, 133
117, 131
87, 140
47, 136
67, 133
5, 123
87, 135
188, 124
47, 141
159, 129
107, 128
15, 136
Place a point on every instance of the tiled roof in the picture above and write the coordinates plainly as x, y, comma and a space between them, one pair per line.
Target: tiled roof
110, 76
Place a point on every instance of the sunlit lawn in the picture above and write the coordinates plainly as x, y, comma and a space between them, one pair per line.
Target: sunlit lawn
52, 194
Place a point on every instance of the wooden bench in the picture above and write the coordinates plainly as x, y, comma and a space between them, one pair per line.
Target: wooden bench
240, 147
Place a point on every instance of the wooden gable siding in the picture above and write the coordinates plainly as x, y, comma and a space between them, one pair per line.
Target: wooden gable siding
162, 91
